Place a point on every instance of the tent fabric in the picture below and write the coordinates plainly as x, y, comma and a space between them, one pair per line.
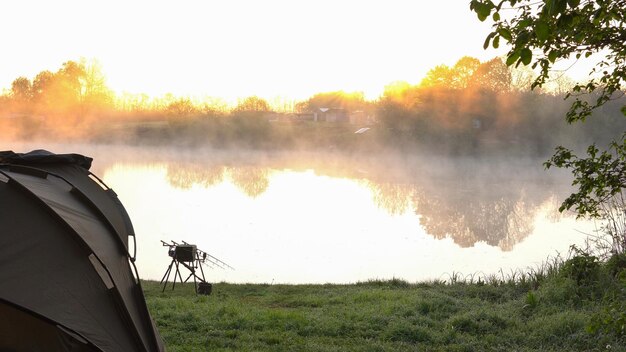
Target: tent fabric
74, 167
64, 256
17, 328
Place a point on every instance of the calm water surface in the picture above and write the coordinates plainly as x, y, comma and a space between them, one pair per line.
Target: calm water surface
320, 218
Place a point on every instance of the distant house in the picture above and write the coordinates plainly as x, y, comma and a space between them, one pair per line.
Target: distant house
331, 115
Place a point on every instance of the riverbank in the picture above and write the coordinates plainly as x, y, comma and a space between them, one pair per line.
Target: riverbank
559, 313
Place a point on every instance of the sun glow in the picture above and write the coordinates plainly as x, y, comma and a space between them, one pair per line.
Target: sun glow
241, 48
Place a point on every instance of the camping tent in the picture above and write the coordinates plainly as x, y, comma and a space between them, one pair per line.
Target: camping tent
68, 281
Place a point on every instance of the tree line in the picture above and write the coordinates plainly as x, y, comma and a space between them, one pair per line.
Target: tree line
469, 107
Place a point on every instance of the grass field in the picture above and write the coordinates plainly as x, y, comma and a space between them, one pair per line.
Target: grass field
558, 313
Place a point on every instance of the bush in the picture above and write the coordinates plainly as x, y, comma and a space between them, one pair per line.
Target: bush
611, 320
586, 272
583, 268
558, 291
616, 265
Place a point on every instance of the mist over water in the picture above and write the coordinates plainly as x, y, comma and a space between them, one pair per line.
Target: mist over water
303, 217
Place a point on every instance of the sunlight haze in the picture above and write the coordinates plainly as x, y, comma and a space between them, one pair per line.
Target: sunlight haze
240, 48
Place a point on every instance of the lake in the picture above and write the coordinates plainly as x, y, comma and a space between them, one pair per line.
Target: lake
327, 217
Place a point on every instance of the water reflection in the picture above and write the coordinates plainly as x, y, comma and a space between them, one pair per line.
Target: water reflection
185, 176
496, 207
394, 198
497, 210
252, 181
469, 217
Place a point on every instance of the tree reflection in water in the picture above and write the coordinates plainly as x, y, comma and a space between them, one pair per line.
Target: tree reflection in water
185, 176
253, 181
469, 218
395, 198
498, 210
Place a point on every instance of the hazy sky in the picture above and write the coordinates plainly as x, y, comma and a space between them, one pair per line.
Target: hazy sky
232, 48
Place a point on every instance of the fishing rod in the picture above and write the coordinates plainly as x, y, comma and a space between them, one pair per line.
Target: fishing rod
211, 259
202, 256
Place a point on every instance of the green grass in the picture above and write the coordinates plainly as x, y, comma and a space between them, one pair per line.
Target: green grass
553, 315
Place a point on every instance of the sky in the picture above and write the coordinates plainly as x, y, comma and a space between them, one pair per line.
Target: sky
238, 48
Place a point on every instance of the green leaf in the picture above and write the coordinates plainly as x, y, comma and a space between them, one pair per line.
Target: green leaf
556, 7
560, 6
505, 33
521, 40
486, 44
565, 21
580, 36
526, 56
496, 16
573, 3
496, 42
524, 23
482, 10
553, 55
542, 30
512, 58
549, 5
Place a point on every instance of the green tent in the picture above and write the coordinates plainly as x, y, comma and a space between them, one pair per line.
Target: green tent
68, 281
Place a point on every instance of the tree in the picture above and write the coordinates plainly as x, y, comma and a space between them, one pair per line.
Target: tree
70, 79
396, 89
21, 89
463, 71
41, 86
492, 75
439, 76
350, 101
397, 106
182, 107
560, 85
402, 94
95, 94
541, 33
77, 87
469, 72
522, 78
252, 104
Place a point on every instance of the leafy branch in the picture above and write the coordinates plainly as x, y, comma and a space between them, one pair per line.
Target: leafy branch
599, 177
